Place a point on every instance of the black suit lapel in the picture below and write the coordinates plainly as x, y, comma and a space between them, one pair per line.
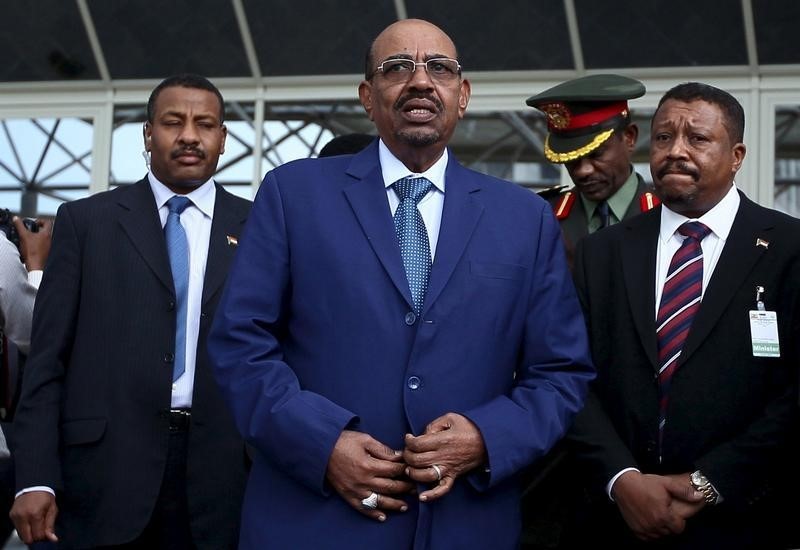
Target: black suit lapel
141, 223
638, 250
226, 226
738, 258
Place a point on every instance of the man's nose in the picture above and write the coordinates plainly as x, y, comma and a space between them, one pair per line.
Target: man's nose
677, 148
189, 134
420, 79
582, 168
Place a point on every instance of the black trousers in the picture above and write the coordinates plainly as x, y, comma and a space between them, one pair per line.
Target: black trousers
168, 528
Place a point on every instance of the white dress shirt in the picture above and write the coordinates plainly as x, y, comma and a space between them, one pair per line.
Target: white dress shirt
430, 206
196, 221
720, 220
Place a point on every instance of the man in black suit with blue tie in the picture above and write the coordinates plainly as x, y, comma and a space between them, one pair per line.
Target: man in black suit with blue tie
123, 439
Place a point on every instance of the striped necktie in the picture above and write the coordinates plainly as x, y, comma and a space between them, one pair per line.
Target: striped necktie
178, 250
413, 237
680, 301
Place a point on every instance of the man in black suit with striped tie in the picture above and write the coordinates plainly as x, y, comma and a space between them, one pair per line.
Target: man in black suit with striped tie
693, 311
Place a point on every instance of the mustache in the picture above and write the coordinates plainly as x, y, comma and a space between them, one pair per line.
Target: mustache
402, 100
190, 150
678, 167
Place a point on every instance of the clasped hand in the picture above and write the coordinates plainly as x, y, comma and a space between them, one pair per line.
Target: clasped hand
655, 506
360, 465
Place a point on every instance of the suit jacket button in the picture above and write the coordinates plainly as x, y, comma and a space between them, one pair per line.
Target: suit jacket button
414, 383
650, 446
171, 305
169, 357
411, 318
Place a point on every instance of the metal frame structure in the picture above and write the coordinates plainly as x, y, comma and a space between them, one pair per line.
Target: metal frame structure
497, 95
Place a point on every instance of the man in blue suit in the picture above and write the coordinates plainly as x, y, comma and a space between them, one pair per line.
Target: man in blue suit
393, 364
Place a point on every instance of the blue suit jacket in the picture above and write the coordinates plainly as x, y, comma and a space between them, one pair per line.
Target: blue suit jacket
314, 336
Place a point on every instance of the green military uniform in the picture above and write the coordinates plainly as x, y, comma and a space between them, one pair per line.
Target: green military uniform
579, 217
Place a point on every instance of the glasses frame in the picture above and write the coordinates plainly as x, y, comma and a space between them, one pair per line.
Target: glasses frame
379, 68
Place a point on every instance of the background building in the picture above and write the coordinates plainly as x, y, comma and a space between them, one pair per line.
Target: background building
77, 73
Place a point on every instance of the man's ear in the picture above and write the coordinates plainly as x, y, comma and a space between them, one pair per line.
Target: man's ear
365, 96
147, 133
739, 151
629, 135
463, 97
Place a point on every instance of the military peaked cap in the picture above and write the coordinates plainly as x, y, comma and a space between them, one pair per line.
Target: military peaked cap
584, 112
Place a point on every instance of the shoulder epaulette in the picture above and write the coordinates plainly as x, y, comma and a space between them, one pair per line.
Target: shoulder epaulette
648, 201
564, 205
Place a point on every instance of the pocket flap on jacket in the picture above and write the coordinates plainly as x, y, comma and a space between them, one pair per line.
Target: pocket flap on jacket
86, 430
497, 270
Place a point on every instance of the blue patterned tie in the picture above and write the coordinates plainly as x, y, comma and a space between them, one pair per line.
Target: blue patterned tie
414, 245
178, 250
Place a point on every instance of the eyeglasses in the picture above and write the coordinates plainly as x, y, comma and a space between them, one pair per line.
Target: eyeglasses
440, 69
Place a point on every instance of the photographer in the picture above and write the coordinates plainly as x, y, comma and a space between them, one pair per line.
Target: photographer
18, 281
18, 285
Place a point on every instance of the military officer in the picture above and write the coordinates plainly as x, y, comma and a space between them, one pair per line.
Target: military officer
590, 132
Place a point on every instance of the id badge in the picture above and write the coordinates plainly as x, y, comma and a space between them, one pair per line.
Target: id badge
764, 333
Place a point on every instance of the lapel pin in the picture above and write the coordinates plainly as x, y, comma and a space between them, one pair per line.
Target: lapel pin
762, 243
232, 241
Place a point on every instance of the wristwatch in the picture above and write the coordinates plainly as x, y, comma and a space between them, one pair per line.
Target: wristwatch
701, 483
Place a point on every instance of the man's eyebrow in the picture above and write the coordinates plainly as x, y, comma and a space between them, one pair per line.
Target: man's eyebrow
437, 56
399, 56
426, 58
175, 113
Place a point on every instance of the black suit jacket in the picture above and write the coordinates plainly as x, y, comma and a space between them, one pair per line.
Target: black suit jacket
730, 415
91, 421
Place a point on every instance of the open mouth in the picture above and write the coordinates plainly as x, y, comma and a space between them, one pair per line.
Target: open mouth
419, 110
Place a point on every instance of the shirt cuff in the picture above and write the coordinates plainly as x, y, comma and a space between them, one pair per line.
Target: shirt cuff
36, 488
614, 479
35, 277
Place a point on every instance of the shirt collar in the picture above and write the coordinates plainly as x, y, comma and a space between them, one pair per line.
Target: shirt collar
393, 169
202, 196
618, 202
719, 219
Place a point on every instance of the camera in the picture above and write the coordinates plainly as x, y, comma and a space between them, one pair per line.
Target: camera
7, 226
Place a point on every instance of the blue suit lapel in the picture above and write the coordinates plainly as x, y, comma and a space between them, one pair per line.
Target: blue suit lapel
367, 198
460, 216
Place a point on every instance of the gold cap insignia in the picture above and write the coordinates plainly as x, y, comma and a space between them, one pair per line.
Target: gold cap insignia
558, 115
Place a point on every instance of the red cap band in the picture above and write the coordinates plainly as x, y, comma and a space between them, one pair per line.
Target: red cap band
560, 118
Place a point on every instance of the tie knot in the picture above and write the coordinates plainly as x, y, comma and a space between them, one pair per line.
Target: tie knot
412, 188
178, 204
694, 230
